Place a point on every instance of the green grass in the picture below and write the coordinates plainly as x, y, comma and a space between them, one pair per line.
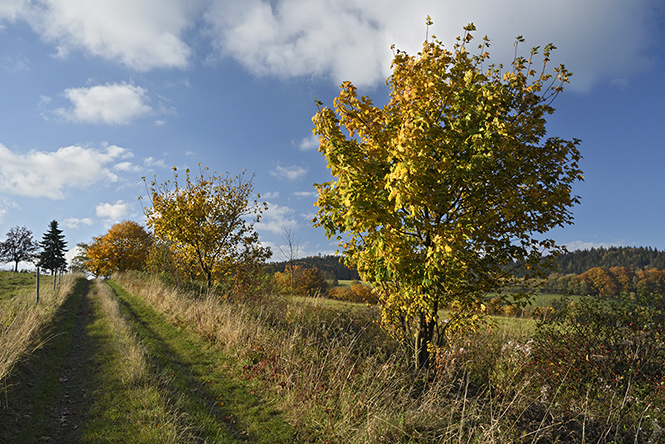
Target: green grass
201, 382
514, 327
345, 282
326, 302
12, 283
548, 299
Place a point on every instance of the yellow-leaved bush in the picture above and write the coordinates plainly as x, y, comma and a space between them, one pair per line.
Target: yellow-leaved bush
125, 246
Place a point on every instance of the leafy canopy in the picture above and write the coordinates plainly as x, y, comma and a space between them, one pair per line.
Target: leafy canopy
437, 194
207, 222
124, 247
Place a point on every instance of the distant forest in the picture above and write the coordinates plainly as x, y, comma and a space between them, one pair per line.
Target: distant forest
634, 258
330, 266
574, 262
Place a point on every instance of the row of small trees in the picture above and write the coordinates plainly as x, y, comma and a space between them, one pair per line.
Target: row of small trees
202, 228
49, 254
607, 282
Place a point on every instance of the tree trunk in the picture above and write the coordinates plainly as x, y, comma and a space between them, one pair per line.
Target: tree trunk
423, 338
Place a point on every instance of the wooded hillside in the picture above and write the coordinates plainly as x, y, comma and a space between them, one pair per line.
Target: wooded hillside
635, 258
574, 262
330, 265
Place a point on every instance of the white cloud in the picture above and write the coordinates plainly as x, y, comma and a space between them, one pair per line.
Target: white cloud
50, 174
151, 162
270, 195
112, 212
276, 218
309, 143
127, 167
72, 253
12, 9
74, 223
141, 34
306, 194
14, 63
291, 173
113, 103
342, 39
350, 39
305, 37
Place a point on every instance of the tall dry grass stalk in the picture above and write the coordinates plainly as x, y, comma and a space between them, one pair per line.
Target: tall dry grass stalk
22, 322
337, 376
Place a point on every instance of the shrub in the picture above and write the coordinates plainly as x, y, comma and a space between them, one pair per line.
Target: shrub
355, 293
301, 281
606, 357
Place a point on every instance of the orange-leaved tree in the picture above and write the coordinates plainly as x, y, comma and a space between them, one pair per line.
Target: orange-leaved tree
439, 194
124, 247
208, 220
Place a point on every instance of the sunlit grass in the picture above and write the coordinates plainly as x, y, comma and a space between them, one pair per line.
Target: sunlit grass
22, 320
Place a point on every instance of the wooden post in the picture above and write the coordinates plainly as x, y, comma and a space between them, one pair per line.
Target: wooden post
37, 285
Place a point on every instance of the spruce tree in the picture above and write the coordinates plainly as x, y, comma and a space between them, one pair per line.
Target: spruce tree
53, 247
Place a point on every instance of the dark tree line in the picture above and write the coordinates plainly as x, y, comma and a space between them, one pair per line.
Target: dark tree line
575, 262
329, 265
634, 258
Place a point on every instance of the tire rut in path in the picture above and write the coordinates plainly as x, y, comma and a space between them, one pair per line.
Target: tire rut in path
74, 396
48, 394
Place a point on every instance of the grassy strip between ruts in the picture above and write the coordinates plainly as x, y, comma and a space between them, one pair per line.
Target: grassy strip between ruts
209, 404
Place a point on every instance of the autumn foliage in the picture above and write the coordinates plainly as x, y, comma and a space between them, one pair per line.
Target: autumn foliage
124, 247
438, 193
205, 225
300, 280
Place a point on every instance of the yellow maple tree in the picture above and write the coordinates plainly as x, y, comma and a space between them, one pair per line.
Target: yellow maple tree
124, 247
207, 221
439, 194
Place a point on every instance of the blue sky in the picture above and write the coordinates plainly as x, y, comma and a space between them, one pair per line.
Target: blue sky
97, 94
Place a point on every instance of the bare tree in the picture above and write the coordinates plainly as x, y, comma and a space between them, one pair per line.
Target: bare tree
18, 247
290, 250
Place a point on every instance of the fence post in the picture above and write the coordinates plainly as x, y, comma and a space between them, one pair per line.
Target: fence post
37, 285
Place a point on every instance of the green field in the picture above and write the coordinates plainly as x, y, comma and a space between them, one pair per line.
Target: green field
12, 283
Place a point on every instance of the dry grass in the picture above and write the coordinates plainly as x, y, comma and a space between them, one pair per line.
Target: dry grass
136, 393
340, 379
132, 363
22, 322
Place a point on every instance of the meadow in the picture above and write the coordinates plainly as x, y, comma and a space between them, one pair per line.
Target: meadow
178, 366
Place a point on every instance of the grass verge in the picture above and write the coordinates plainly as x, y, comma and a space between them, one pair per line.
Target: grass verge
22, 321
185, 383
